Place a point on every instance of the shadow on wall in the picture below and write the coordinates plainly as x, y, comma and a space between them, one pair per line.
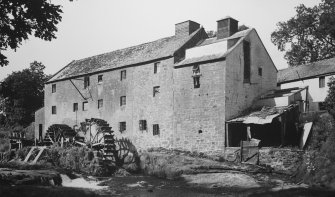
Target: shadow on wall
126, 155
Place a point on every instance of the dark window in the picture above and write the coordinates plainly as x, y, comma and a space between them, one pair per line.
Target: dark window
85, 106
86, 81
122, 126
196, 76
100, 103
322, 106
75, 107
122, 100
99, 78
155, 129
246, 51
156, 65
123, 75
143, 125
40, 131
260, 71
53, 110
53, 88
156, 90
322, 82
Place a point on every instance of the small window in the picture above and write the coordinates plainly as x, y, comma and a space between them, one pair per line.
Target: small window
122, 100
322, 82
260, 71
322, 106
155, 129
143, 125
123, 75
122, 127
100, 103
53, 110
85, 106
156, 67
75, 107
196, 76
156, 90
53, 88
99, 78
86, 82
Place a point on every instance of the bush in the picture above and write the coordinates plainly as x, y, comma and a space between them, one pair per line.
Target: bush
318, 166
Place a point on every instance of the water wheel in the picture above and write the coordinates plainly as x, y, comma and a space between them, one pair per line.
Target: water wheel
58, 134
97, 134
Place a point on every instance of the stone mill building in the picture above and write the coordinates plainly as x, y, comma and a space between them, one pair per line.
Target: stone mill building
175, 92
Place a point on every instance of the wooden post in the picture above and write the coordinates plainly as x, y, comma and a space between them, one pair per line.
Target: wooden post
283, 128
227, 135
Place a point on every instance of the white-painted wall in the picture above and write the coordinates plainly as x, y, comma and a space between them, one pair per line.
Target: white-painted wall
210, 49
315, 94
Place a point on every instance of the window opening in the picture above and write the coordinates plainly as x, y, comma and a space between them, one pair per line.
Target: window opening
86, 82
85, 106
156, 90
75, 107
196, 76
155, 129
53, 88
99, 78
100, 103
122, 100
322, 82
122, 127
143, 125
53, 110
123, 75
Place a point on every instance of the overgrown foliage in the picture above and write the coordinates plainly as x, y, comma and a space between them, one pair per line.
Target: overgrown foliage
318, 166
309, 36
330, 99
22, 94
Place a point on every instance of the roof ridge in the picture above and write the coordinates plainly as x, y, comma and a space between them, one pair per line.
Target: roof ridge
134, 46
307, 64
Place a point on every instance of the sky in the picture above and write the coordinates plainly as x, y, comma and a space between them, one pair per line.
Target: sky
92, 27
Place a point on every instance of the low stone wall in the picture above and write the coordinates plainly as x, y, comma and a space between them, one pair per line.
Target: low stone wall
285, 161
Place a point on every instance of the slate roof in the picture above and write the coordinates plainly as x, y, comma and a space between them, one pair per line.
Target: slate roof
213, 57
161, 48
311, 70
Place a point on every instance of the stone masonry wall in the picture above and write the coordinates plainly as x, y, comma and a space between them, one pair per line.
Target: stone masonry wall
285, 161
240, 96
140, 103
199, 112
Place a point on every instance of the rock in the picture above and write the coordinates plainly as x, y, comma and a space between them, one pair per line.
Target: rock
30, 177
121, 173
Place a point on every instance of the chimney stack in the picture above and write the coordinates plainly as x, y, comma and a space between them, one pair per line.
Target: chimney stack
226, 27
186, 28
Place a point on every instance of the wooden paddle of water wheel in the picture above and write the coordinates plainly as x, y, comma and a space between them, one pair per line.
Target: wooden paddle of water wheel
99, 135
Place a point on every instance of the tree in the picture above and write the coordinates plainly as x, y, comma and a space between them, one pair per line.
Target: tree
23, 94
309, 36
330, 99
21, 18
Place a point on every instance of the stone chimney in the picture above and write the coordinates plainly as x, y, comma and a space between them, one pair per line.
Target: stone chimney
186, 28
226, 27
